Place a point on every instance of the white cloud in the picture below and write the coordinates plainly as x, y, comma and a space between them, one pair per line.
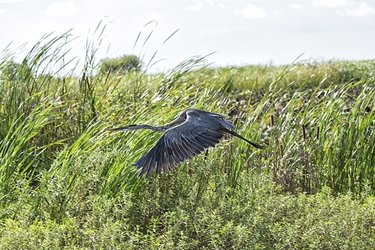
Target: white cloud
222, 6
252, 11
330, 3
62, 9
195, 7
2, 11
362, 10
295, 6
210, 2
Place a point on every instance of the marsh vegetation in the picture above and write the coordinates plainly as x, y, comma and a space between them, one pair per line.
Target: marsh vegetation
66, 183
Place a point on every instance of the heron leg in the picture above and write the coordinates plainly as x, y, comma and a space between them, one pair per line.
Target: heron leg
205, 154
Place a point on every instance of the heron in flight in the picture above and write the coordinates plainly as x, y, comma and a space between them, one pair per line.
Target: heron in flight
190, 134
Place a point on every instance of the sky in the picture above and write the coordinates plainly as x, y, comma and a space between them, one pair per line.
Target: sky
238, 32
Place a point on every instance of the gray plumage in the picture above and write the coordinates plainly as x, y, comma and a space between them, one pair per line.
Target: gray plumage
190, 134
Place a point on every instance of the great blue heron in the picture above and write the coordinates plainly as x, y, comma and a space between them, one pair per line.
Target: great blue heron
190, 134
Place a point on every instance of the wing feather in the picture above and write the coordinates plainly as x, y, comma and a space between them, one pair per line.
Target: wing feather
205, 142
150, 162
194, 146
181, 149
177, 153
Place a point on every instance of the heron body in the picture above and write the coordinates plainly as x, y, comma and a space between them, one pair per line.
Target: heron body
190, 134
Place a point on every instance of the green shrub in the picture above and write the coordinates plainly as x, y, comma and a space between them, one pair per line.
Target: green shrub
121, 65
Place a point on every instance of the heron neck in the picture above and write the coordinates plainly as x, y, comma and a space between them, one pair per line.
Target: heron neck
146, 126
155, 128
163, 127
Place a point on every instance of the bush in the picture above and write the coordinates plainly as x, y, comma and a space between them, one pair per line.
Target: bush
122, 65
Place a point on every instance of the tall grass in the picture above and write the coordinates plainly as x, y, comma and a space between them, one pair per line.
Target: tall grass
317, 136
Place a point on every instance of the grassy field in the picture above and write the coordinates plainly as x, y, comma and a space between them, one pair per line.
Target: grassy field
67, 183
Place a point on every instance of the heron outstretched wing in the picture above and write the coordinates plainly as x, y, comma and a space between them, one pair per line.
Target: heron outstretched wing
180, 143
